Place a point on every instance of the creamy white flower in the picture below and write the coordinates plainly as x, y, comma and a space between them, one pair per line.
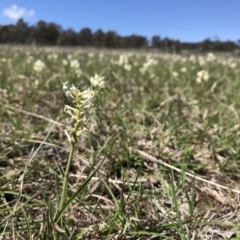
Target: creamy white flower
127, 67
75, 63
150, 62
211, 57
201, 60
85, 99
97, 81
65, 86
65, 62
78, 72
87, 96
142, 70
73, 88
91, 55
36, 83
175, 74
123, 59
52, 56
101, 56
202, 76
38, 66
183, 70
232, 65
183, 59
192, 59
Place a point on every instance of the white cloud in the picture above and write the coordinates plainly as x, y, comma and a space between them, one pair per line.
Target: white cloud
14, 12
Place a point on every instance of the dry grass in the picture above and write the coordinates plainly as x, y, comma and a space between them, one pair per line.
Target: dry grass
165, 148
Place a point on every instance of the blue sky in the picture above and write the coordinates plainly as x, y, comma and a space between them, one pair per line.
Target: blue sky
186, 20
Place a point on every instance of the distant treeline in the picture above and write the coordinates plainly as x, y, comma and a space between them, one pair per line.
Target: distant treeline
44, 33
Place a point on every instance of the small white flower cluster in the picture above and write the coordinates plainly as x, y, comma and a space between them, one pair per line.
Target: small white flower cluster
202, 76
65, 62
7, 61
201, 61
183, 59
192, 59
83, 104
83, 101
183, 69
76, 66
101, 56
52, 56
148, 64
91, 55
229, 62
124, 61
175, 74
97, 81
211, 57
74, 63
38, 66
232, 64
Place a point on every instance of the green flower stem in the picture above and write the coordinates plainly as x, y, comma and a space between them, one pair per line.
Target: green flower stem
65, 179
69, 162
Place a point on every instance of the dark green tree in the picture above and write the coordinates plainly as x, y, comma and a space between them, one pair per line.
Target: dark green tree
85, 37
98, 38
156, 42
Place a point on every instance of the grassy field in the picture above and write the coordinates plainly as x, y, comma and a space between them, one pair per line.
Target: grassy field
157, 157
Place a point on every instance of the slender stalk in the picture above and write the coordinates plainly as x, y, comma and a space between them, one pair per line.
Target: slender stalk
73, 141
65, 178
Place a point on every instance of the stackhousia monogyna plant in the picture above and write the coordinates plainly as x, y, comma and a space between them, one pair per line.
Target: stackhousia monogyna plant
82, 102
